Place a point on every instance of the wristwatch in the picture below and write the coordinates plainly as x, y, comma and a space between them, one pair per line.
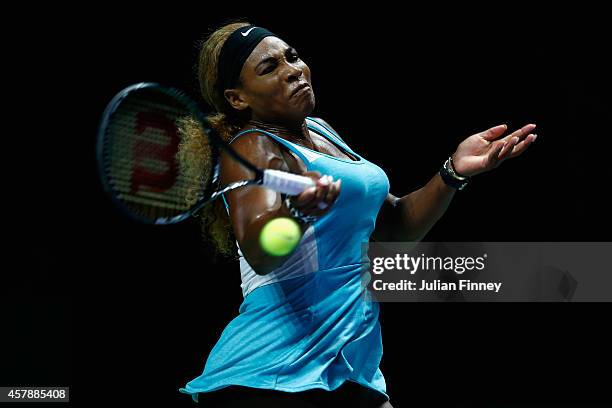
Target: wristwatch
451, 177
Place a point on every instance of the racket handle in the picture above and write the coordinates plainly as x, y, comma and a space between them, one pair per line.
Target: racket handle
287, 183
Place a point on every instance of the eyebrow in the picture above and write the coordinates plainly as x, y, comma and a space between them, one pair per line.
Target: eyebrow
272, 59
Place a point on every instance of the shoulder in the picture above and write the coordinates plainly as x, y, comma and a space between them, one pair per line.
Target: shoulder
255, 144
257, 148
325, 123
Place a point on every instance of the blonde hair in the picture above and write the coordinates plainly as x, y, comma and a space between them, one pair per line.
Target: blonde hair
193, 151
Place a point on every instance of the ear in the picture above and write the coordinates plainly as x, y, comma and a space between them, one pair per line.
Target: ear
236, 99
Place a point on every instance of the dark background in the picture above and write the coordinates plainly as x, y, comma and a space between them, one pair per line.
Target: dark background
121, 311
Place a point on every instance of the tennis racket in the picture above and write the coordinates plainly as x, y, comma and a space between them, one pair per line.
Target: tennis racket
138, 141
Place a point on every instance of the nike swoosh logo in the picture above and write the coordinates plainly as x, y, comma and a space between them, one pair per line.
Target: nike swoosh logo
247, 31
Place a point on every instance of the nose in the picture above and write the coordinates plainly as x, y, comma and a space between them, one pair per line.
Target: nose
293, 72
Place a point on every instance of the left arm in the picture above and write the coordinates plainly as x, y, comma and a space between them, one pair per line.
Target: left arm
410, 217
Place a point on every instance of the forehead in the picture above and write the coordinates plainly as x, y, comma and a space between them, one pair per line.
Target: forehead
268, 47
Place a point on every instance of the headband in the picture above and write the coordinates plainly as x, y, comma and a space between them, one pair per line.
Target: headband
235, 52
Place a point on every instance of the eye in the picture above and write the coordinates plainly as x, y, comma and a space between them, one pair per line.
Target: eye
268, 69
293, 56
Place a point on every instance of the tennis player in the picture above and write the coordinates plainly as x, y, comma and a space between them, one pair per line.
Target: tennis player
305, 335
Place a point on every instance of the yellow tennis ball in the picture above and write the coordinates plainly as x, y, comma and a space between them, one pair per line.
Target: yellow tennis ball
280, 236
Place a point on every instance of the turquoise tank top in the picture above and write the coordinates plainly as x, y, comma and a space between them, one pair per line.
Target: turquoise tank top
310, 327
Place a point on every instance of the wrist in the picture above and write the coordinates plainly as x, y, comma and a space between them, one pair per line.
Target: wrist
453, 167
451, 177
299, 216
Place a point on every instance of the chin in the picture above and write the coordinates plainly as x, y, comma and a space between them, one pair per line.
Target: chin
299, 109
308, 105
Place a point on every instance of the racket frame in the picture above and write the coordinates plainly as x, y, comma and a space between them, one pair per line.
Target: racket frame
216, 144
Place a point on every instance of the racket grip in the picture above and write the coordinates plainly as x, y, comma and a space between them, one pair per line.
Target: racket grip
287, 183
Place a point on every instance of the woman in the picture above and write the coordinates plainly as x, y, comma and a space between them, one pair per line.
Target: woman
306, 335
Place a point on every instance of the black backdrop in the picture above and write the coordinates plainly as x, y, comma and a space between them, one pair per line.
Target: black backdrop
130, 312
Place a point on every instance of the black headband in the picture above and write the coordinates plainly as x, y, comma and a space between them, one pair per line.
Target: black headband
235, 52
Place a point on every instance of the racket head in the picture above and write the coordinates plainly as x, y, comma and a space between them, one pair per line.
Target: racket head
138, 142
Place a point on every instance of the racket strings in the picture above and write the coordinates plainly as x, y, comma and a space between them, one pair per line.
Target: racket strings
141, 156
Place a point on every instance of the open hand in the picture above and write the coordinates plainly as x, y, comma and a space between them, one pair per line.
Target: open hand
485, 151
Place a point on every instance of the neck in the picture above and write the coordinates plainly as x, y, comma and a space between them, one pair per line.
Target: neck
298, 132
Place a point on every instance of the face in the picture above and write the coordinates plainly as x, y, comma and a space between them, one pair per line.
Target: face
275, 85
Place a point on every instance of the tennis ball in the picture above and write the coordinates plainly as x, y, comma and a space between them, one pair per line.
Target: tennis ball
280, 236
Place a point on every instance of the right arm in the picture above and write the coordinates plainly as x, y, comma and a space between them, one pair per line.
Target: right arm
251, 207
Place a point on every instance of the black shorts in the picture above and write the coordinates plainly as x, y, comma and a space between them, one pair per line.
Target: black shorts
349, 394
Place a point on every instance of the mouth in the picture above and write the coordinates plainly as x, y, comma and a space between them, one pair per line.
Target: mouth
300, 87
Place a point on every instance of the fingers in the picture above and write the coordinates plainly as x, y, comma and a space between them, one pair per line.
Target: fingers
507, 146
320, 194
314, 175
511, 148
332, 194
499, 150
316, 200
306, 197
326, 193
494, 132
521, 133
521, 147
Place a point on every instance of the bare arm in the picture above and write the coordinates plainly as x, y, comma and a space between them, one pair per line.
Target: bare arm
410, 217
252, 207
